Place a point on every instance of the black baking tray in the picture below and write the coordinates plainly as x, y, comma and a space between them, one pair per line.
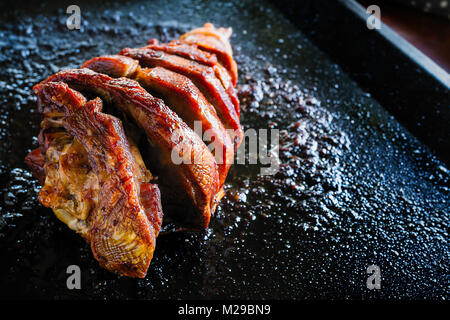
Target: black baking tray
360, 181
404, 80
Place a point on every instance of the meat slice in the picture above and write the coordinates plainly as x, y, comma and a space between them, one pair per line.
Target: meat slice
214, 40
181, 95
96, 183
192, 52
187, 169
202, 76
113, 65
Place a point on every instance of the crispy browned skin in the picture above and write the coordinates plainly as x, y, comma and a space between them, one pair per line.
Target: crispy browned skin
202, 76
190, 183
192, 52
93, 157
214, 40
181, 95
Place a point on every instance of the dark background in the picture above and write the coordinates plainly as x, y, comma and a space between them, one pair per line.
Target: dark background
361, 190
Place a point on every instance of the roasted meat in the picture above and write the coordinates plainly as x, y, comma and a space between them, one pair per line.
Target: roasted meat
181, 98
192, 52
202, 76
187, 169
181, 95
216, 41
96, 182
36, 161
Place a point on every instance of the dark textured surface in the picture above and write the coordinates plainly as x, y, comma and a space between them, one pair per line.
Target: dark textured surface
354, 189
405, 81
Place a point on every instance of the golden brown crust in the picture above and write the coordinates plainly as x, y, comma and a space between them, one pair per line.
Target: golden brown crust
194, 53
216, 41
118, 227
194, 178
182, 96
202, 76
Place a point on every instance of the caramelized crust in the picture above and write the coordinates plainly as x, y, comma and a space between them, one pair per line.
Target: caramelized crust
216, 41
185, 50
192, 52
187, 169
202, 76
96, 184
181, 95
113, 65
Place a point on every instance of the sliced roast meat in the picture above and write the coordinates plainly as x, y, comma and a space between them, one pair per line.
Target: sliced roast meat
217, 41
192, 52
96, 183
202, 76
187, 170
92, 173
181, 95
